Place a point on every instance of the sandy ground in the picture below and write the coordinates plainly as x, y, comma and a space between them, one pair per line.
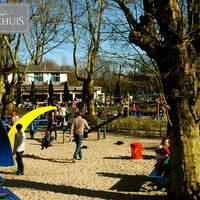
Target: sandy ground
106, 171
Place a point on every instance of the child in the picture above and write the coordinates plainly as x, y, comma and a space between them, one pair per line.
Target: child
46, 141
32, 129
19, 147
163, 151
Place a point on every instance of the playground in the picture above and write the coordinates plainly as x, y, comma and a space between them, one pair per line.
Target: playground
107, 170
7, 158
108, 165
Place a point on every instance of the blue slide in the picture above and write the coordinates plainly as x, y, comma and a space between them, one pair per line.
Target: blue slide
6, 155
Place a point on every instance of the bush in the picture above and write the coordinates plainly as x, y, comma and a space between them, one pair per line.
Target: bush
20, 111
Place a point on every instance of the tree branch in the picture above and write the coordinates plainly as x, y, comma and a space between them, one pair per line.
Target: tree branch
11, 52
144, 33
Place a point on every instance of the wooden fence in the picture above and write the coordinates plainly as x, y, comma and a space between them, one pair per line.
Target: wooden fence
139, 126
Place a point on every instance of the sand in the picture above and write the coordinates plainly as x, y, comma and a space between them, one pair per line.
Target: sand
106, 171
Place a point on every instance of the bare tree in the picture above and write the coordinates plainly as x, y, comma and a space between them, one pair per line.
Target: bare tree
48, 18
47, 32
89, 18
105, 74
9, 65
169, 32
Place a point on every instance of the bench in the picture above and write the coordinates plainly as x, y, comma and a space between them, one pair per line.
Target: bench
6, 194
160, 175
156, 173
1, 180
42, 123
161, 171
3, 192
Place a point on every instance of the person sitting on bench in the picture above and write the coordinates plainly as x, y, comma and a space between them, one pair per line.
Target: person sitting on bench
161, 171
162, 152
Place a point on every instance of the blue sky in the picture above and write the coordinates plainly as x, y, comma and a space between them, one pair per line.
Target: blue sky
61, 56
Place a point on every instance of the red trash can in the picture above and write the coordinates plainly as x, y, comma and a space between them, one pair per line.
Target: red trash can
136, 150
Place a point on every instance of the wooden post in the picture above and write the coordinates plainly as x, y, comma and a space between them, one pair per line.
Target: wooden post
104, 132
98, 134
101, 133
64, 136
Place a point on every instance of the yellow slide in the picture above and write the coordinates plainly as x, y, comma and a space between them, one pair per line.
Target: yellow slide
26, 120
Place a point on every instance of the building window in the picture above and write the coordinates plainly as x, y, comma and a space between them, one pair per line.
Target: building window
38, 77
55, 77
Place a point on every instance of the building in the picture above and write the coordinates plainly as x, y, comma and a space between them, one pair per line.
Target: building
42, 77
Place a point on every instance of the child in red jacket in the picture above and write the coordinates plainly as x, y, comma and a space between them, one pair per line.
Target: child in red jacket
163, 151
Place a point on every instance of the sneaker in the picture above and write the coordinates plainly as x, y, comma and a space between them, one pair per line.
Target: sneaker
20, 173
74, 161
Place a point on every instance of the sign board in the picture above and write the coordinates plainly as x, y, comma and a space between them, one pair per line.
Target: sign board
14, 18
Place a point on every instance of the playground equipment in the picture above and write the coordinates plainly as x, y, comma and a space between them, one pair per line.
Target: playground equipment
139, 100
160, 175
160, 113
5, 193
26, 120
7, 140
6, 154
102, 126
101, 133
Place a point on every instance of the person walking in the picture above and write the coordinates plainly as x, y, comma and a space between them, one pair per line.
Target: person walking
19, 147
77, 129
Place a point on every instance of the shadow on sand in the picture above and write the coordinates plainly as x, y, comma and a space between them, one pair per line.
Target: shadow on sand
114, 192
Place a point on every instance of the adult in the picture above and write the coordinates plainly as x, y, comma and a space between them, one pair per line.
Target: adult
12, 121
52, 124
63, 113
77, 129
19, 147
14, 118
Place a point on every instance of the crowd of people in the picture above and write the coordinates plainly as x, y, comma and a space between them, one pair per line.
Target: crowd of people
59, 117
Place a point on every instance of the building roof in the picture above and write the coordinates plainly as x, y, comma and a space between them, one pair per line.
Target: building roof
43, 69
43, 87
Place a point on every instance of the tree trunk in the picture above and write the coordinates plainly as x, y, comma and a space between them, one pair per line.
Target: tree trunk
66, 92
181, 90
50, 100
90, 96
18, 94
170, 36
7, 99
32, 97
185, 153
